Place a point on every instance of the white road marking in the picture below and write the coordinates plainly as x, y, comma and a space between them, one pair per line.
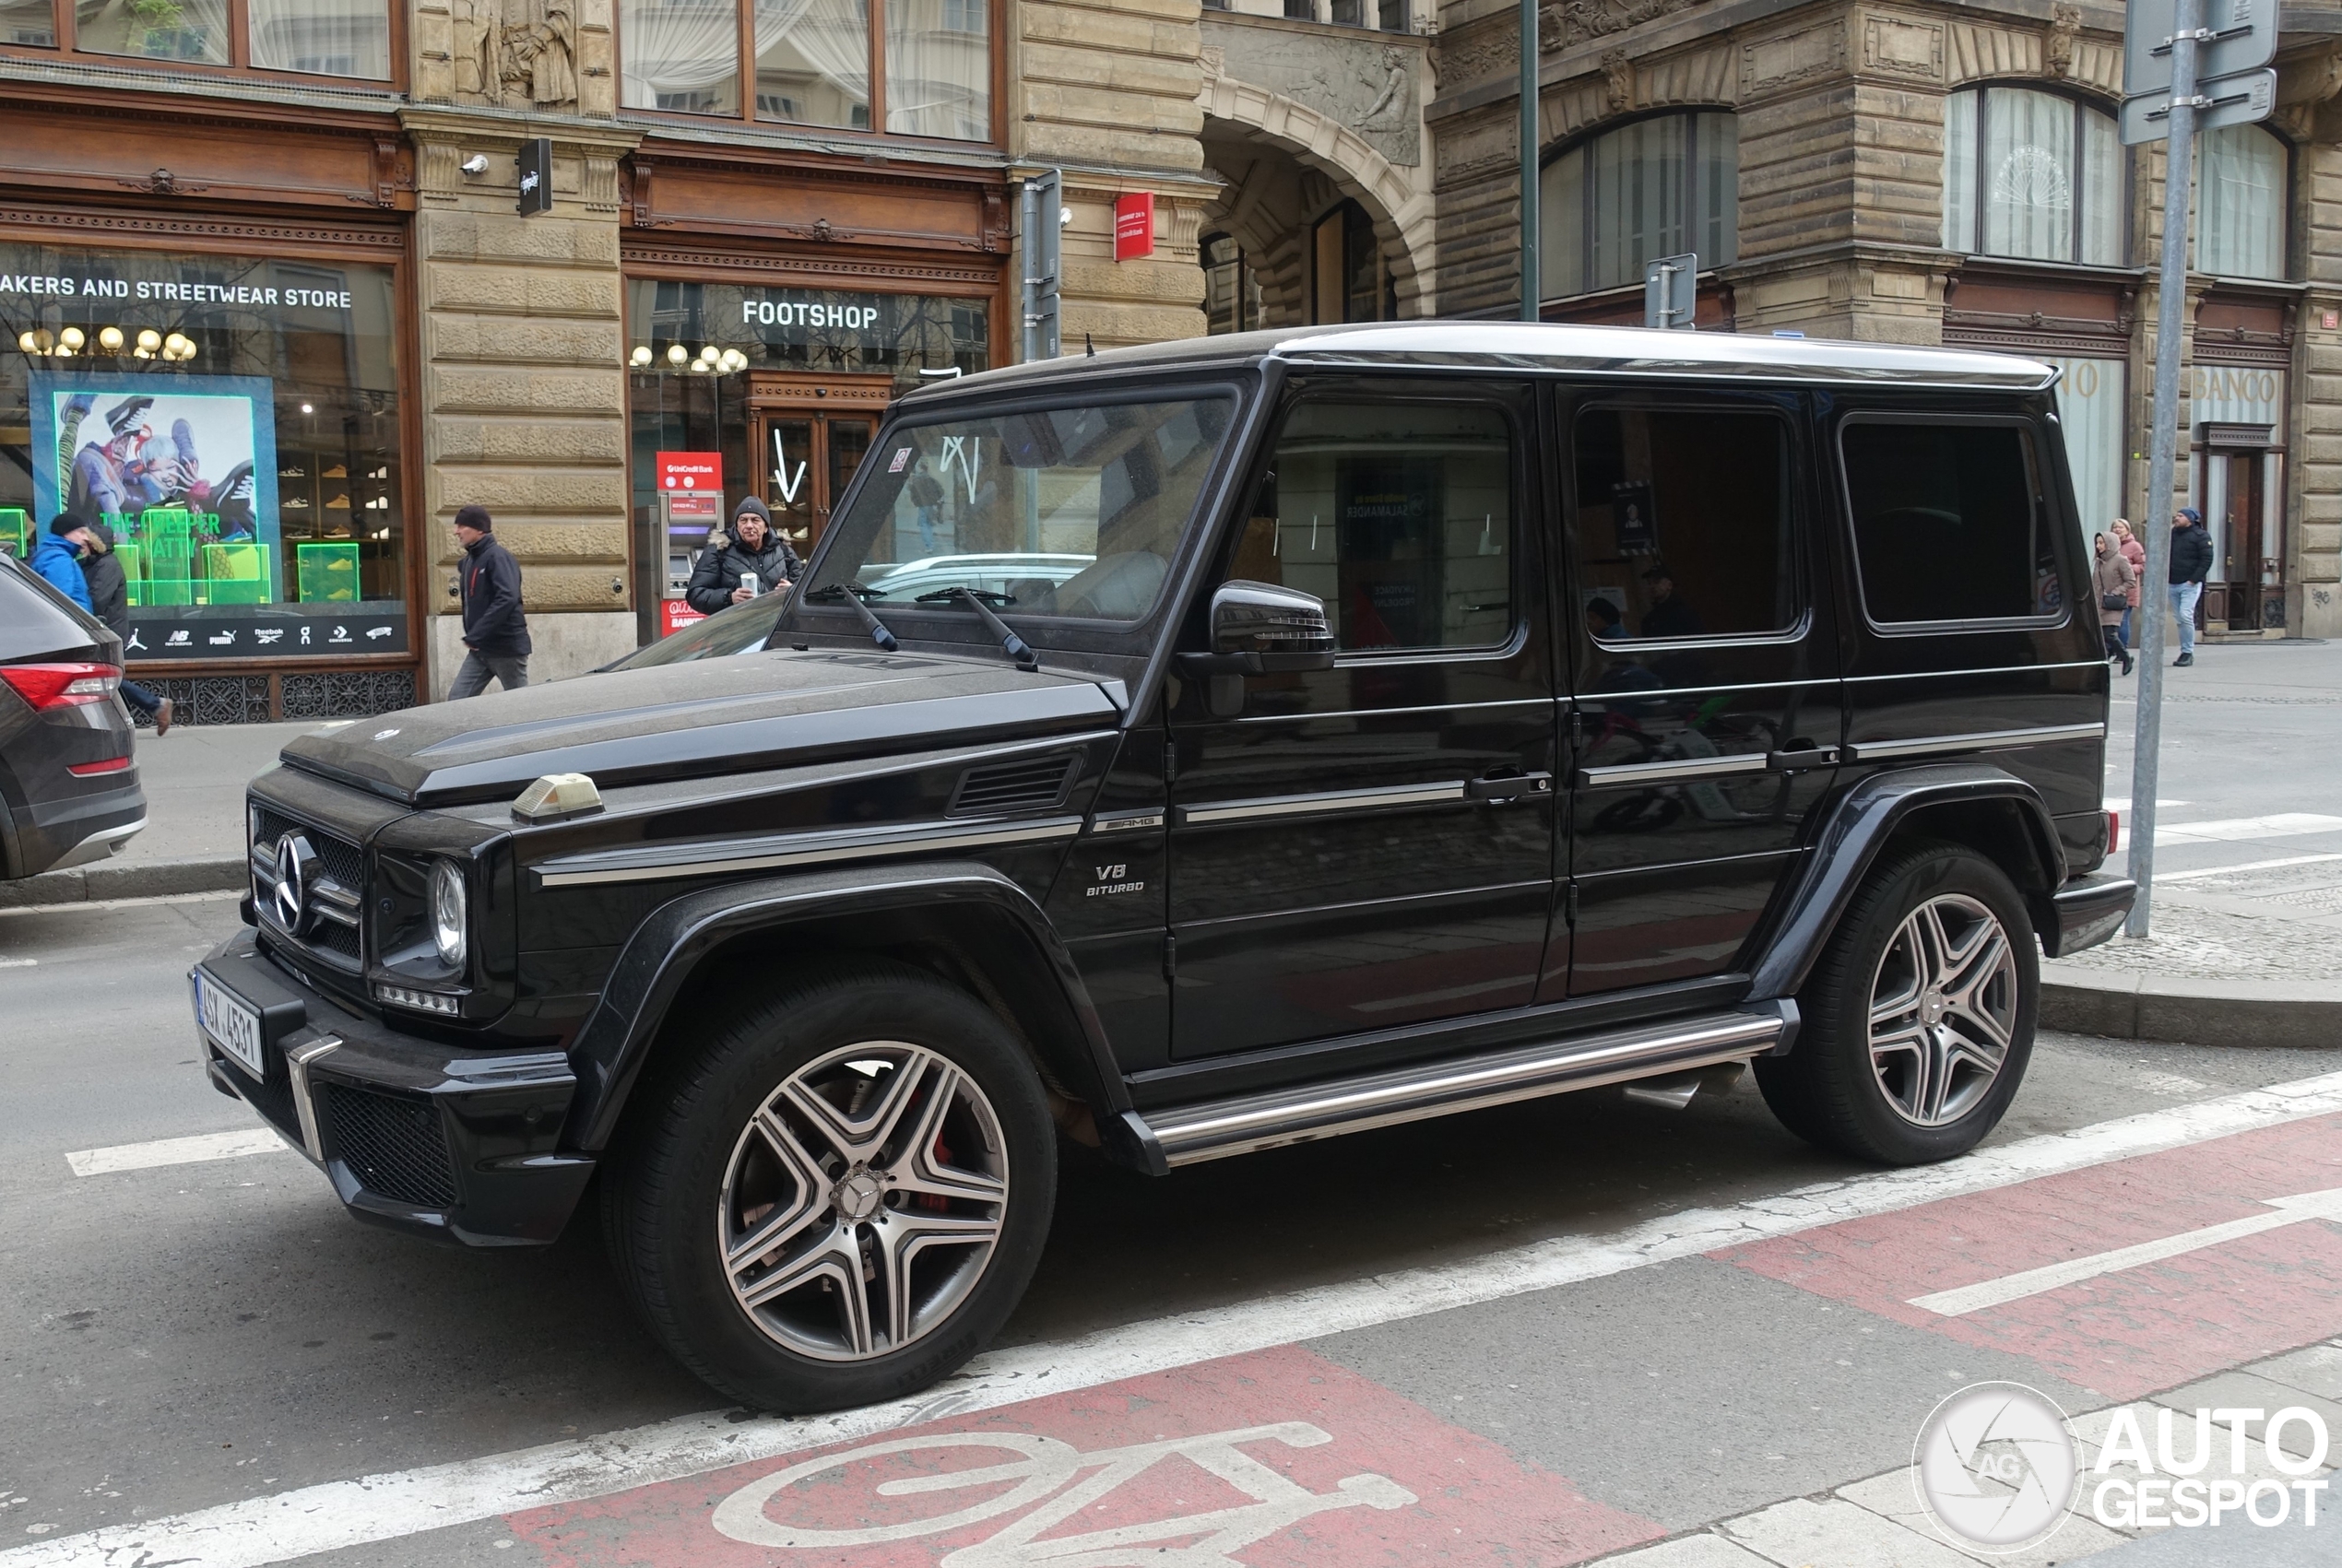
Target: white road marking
2248, 866
2279, 825
2294, 1210
174, 1151
336, 1516
2123, 805
19, 963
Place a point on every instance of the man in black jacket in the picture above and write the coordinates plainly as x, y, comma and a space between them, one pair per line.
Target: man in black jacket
494, 629
110, 602
2190, 564
755, 553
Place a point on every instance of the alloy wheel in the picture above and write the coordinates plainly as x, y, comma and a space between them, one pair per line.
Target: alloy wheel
863, 1201
1942, 1009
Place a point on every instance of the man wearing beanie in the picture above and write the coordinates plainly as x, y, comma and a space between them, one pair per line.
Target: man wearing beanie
754, 559
58, 556
2190, 564
495, 633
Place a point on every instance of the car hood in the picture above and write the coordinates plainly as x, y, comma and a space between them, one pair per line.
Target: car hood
713, 717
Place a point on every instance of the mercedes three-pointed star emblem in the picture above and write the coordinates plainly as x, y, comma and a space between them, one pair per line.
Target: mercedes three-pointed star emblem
291, 898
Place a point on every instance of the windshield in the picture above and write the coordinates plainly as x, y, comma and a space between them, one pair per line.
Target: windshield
1060, 512
738, 629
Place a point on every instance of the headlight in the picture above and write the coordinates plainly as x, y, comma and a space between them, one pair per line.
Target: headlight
448, 920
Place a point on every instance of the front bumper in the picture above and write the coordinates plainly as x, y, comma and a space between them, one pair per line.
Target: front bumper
414, 1133
2088, 909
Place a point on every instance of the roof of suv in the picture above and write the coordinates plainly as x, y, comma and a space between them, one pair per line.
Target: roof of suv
1553, 348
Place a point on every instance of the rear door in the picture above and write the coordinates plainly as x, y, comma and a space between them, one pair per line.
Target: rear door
1372, 846
1704, 702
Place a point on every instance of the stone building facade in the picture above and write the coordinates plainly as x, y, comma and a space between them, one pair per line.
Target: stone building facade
1940, 173
273, 309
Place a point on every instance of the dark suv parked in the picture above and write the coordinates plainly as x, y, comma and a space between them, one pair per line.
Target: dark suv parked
1447, 714
70, 789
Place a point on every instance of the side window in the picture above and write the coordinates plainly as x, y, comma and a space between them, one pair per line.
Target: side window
1398, 515
1684, 523
1949, 522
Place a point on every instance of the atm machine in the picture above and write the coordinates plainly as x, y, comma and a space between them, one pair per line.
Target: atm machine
685, 519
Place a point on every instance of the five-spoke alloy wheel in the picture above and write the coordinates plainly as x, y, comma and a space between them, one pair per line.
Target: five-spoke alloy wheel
836, 1196
1918, 1017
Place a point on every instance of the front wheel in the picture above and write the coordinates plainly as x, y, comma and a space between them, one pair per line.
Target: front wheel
841, 1197
1918, 1018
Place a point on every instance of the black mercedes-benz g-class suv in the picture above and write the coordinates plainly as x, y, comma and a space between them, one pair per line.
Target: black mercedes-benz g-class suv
1447, 714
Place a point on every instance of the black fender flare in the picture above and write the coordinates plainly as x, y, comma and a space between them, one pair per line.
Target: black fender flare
1858, 829
609, 1054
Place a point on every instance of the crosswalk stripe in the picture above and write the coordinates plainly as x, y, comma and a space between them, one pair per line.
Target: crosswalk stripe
174, 1151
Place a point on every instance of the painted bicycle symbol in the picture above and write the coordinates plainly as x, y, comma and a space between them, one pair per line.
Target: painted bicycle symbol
1039, 1494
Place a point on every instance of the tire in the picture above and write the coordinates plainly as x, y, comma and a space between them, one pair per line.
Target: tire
874, 1153
1938, 946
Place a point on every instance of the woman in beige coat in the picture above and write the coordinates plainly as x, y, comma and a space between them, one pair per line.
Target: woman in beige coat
2116, 587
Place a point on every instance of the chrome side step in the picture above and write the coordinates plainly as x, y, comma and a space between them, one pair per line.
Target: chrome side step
1187, 1134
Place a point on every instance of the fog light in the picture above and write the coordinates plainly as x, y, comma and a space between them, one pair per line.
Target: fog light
420, 1001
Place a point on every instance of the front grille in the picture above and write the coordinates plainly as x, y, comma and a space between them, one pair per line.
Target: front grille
338, 896
1029, 785
394, 1147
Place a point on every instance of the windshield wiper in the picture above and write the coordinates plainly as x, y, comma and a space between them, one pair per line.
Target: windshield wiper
854, 594
981, 601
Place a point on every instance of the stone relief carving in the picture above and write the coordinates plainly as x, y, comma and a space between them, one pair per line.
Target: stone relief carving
1893, 47
1365, 85
2066, 27
1618, 80
1582, 19
516, 53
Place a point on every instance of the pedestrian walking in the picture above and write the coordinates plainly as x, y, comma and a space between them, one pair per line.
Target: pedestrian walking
752, 560
110, 602
495, 631
58, 556
2117, 587
2190, 564
2134, 552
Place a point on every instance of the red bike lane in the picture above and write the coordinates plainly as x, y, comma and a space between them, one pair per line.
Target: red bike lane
1285, 1457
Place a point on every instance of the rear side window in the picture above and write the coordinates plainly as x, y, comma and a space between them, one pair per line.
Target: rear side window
1948, 521
1684, 523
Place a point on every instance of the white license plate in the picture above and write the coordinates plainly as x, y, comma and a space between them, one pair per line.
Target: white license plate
233, 1026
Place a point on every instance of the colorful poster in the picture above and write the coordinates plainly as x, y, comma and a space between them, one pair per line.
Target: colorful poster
181, 468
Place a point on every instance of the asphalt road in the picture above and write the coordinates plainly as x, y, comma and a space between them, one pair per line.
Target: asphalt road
177, 1337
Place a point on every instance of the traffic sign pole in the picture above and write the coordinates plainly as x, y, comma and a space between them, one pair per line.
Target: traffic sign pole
1532, 281
2169, 314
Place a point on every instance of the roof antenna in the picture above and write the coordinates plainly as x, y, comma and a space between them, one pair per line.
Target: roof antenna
1089, 350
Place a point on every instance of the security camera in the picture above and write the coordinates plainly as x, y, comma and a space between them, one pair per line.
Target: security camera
476, 164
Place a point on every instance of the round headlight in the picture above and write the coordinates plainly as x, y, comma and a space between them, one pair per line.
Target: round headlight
447, 913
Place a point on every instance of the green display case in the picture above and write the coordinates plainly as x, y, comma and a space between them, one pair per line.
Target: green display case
15, 532
328, 572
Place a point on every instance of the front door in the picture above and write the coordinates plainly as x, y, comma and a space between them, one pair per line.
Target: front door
1704, 715
2256, 568
1371, 847
808, 434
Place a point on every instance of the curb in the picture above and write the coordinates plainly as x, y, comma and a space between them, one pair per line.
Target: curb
2305, 1015
125, 879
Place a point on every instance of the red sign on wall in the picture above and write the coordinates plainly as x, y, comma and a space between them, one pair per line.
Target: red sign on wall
674, 615
1133, 225
690, 471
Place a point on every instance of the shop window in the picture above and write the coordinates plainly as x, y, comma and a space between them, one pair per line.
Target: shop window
1682, 524
1655, 187
234, 424
1398, 515
813, 61
1350, 280
1949, 524
2240, 202
329, 38
1231, 288
2031, 174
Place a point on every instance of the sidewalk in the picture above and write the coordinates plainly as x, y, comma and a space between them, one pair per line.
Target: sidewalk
194, 842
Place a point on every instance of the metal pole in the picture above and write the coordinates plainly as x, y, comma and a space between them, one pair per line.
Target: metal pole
2169, 314
1531, 279
1031, 283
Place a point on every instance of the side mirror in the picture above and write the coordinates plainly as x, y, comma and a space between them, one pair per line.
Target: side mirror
1258, 628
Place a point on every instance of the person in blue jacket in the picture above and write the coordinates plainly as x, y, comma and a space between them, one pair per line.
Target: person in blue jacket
58, 558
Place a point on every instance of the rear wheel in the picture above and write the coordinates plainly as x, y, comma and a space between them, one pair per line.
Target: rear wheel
1919, 1016
842, 1196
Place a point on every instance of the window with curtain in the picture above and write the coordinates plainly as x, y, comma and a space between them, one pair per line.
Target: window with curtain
1650, 188
331, 37
2031, 174
2240, 202
813, 63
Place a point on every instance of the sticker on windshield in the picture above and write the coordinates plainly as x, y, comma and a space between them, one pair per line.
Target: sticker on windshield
902, 456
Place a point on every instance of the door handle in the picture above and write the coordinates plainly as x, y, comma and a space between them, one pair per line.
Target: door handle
1510, 786
1802, 758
